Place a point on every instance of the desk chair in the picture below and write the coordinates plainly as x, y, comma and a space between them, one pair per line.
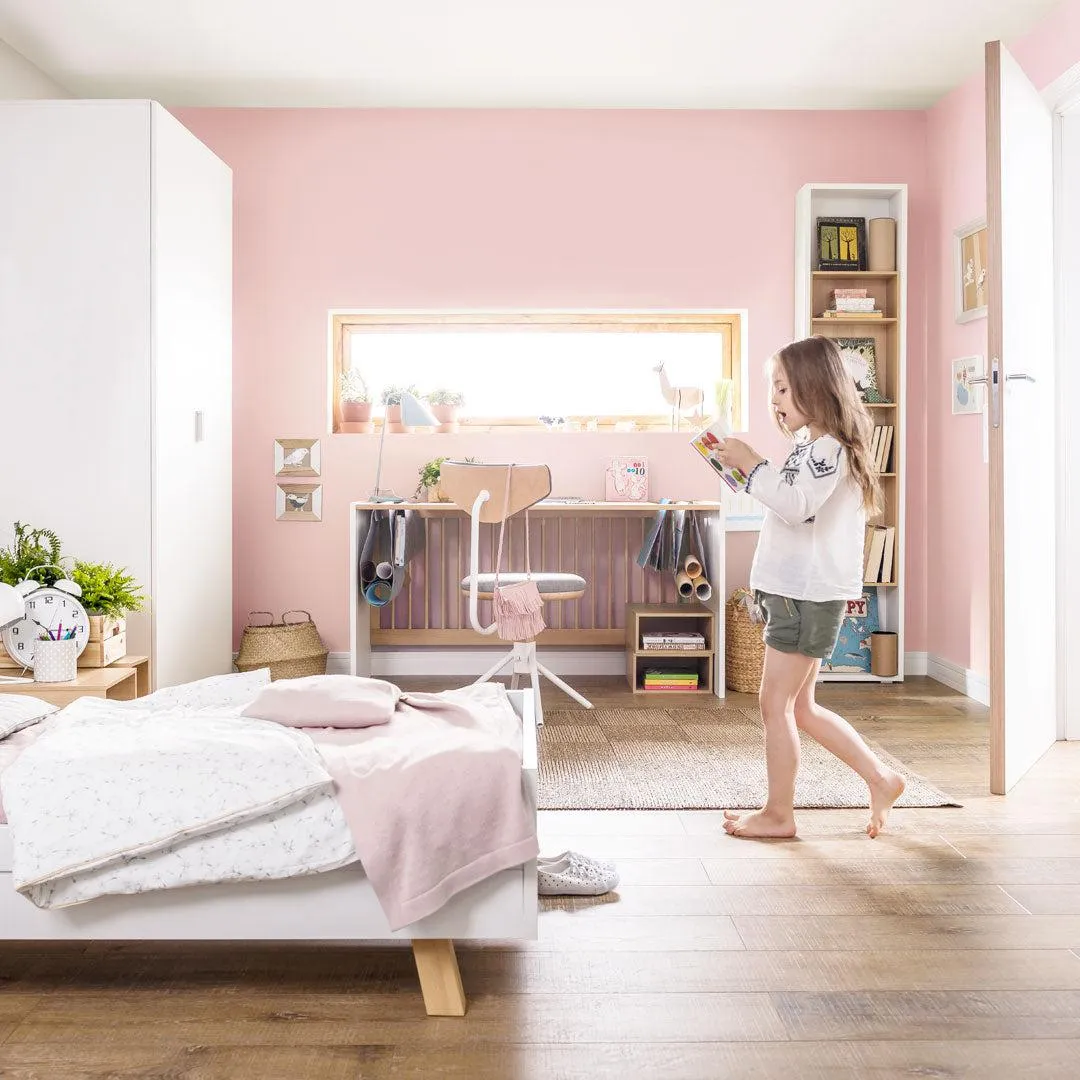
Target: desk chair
483, 493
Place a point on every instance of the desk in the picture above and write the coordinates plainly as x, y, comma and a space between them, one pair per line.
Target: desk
599, 540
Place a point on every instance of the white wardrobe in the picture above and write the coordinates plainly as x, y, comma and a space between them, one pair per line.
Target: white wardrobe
116, 359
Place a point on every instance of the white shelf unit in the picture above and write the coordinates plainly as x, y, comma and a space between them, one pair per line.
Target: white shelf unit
890, 335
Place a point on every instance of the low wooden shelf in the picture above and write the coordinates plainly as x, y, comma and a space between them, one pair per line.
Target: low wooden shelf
678, 617
126, 679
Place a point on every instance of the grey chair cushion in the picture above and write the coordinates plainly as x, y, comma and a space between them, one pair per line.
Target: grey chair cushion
546, 583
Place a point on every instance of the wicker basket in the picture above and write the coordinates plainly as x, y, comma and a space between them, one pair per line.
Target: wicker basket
744, 656
290, 650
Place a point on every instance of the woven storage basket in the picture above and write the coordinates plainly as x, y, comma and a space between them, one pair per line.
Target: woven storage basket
744, 655
290, 650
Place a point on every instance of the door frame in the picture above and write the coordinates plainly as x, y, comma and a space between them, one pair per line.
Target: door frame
1062, 96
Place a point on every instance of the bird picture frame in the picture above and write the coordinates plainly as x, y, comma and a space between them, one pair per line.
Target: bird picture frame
297, 457
299, 502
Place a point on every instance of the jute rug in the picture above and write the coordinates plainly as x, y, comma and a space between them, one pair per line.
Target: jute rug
689, 759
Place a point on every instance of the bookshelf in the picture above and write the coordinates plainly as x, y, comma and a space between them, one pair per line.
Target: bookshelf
669, 619
813, 289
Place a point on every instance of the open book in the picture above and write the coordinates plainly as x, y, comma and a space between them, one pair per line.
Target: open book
706, 442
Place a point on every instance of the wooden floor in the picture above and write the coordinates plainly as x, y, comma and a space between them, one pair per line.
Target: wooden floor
950, 947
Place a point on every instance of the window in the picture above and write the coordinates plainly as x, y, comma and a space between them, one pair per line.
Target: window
575, 371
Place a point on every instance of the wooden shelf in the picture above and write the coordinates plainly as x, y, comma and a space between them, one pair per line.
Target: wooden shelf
888, 288
885, 320
868, 275
672, 617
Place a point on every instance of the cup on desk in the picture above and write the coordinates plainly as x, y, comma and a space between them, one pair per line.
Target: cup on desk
56, 661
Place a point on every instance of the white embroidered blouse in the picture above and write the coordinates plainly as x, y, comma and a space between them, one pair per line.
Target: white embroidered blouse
811, 543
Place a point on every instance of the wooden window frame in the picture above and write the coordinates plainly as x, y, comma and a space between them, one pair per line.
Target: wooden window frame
728, 324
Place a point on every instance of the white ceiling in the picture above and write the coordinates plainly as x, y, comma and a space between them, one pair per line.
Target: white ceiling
515, 53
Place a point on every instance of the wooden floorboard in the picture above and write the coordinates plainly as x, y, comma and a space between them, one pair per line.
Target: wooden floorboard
950, 947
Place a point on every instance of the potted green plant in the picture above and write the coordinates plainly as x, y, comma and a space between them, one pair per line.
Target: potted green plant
108, 594
429, 488
391, 398
355, 398
445, 406
31, 548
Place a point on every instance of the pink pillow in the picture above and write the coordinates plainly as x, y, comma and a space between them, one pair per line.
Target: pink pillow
335, 701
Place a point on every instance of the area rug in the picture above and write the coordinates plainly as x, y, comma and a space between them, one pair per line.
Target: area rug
689, 759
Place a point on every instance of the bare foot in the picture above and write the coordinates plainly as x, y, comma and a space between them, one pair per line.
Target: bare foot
883, 793
760, 825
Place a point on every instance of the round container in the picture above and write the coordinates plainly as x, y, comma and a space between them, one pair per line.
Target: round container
882, 244
884, 661
56, 661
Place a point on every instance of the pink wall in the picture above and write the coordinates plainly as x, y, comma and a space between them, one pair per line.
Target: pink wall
957, 508
399, 209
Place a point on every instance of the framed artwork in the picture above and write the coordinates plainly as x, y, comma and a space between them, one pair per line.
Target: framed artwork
972, 258
966, 398
297, 457
860, 356
841, 243
299, 502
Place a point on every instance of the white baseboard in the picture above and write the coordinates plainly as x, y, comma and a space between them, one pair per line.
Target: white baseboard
973, 684
915, 663
454, 662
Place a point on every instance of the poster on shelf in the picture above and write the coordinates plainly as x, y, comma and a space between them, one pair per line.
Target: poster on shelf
852, 652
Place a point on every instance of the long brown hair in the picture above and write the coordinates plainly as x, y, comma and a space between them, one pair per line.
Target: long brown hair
824, 392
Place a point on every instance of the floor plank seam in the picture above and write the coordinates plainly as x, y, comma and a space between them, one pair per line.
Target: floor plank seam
1025, 909
952, 845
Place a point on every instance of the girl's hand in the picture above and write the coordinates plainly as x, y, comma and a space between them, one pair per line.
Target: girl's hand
736, 454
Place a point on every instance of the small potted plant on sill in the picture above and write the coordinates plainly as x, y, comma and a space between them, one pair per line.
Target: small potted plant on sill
108, 594
391, 398
355, 399
445, 406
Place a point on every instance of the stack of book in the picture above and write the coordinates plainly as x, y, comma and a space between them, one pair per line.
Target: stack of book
881, 447
880, 550
668, 681
851, 304
672, 642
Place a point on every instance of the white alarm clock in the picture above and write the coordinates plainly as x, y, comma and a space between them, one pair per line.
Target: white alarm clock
50, 609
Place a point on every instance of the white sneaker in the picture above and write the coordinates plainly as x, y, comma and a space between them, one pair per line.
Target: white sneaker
572, 877
543, 861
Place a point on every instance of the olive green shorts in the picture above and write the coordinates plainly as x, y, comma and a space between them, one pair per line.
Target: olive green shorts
809, 627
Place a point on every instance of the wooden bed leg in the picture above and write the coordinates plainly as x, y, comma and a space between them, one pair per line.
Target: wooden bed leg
440, 978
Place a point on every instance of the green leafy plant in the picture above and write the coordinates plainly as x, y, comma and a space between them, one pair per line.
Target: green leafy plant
442, 396
354, 390
431, 473
391, 395
32, 548
107, 590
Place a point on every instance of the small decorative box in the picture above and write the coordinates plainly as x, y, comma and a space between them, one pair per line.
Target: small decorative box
627, 480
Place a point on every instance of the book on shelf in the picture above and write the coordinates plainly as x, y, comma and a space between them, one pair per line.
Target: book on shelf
673, 638
851, 316
671, 646
880, 551
881, 446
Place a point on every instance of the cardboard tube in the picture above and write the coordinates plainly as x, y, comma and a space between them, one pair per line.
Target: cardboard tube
685, 585
384, 571
692, 566
378, 593
884, 659
702, 589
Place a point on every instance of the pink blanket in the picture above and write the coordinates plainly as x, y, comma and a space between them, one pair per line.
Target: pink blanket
434, 798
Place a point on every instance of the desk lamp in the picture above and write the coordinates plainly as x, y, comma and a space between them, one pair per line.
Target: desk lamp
414, 413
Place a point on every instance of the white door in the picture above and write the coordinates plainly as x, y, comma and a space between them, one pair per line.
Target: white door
1021, 403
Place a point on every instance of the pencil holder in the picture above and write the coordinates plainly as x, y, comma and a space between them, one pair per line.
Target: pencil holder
56, 661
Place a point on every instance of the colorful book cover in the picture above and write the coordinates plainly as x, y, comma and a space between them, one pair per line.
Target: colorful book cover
706, 442
627, 480
852, 652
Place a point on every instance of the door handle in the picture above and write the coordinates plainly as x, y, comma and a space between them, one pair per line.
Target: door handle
992, 382
1026, 378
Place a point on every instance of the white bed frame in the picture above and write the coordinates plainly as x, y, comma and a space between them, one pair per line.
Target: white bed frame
339, 905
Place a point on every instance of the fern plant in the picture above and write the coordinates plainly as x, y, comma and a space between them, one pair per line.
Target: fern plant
107, 590
31, 548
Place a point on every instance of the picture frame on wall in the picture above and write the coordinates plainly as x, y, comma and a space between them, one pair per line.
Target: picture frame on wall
971, 257
297, 457
967, 399
841, 243
299, 502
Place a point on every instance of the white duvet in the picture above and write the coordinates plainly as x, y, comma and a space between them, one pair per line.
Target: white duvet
171, 790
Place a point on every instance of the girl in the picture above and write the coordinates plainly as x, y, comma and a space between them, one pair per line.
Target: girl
809, 560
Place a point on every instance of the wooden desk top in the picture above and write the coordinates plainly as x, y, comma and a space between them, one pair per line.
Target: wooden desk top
554, 506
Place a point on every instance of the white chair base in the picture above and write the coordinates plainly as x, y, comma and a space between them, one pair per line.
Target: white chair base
523, 656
